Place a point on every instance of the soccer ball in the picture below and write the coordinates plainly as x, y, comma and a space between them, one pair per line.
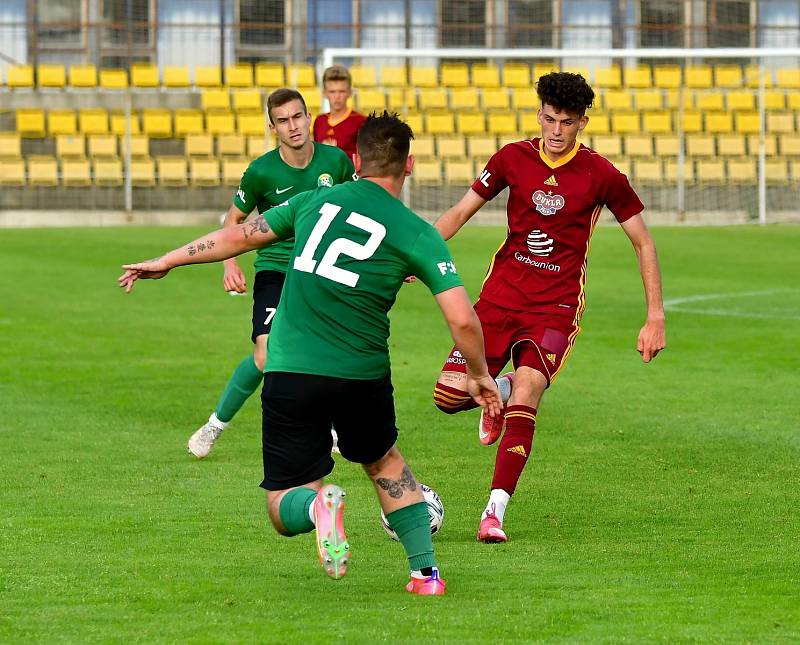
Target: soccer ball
435, 512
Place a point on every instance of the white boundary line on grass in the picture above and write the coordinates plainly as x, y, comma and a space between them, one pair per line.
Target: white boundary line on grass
674, 304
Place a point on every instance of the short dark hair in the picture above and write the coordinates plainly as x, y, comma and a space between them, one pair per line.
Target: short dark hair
282, 97
565, 91
383, 144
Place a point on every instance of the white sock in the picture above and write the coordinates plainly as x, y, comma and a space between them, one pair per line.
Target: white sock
498, 500
311, 513
504, 385
416, 573
214, 421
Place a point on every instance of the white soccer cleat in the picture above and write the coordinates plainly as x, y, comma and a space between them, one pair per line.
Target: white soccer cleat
202, 441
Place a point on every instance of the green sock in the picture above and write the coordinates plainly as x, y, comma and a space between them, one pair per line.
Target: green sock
294, 510
413, 526
245, 380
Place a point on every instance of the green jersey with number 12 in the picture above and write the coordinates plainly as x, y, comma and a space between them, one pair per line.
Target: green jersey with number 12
355, 244
269, 181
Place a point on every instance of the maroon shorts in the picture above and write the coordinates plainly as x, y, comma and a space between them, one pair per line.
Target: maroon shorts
540, 341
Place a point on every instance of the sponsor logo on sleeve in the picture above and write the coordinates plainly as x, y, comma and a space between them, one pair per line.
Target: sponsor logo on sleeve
547, 203
446, 267
484, 178
240, 195
325, 180
456, 359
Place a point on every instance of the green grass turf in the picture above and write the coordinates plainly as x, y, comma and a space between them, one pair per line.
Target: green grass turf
660, 504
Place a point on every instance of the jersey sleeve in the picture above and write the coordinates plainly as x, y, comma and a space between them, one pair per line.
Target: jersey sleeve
620, 198
492, 179
431, 262
250, 189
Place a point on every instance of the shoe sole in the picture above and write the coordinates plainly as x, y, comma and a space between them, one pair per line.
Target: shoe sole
488, 440
193, 453
332, 547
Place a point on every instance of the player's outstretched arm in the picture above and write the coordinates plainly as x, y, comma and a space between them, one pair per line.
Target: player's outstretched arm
233, 277
652, 336
465, 329
213, 247
456, 216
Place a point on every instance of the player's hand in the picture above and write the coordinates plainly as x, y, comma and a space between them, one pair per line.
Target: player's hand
652, 339
233, 278
154, 269
410, 279
484, 390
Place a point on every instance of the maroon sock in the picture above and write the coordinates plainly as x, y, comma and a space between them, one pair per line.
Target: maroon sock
515, 447
451, 400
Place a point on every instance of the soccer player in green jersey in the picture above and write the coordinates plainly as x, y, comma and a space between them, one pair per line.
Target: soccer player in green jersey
297, 165
329, 356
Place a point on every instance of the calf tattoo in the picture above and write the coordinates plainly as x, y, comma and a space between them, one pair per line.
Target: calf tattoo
395, 486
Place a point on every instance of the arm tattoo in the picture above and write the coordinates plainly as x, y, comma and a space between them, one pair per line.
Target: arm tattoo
395, 487
257, 225
194, 249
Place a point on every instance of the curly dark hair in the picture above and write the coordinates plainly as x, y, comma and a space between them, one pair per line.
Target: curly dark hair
565, 91
383, 143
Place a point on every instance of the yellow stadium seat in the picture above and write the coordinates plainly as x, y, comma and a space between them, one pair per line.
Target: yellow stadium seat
710, 102
608, 77
301, 75
748, 122
12, 172
30, 122
61, 122
102, 145
666, 145
599, 123
231, 145
731, 145
220, 122
495, 98
422, 146
638, 77
93, 121
10, 145
207, 76
699, 77
455, 75
172, 171
794, 170
781, 122
363, 76
667, 76
742, 170
648, 171
529, 123
113, 79
649, 100
204, 171
270, 75
638, 145
249, 100
188, 121
107, 172
414, 121
608, 145
465, 98
700, 145
719, 122
673, 169
776, 171
673, 99
439, 123
82, 76
215, 99
258, 145
393, 76
251, 124
776, 100
143, 172
742, 100
199, 145
710, 171
401, 99
313, 100
753, 75
502, 123
76, 172
790, 145
623, 164
233, 169
657, 122
727, 76
788, 79
240, 75
119, 123
770, 144
482, 147
51, 76
451, 147
459, 172
424, 77
144, 76
793, 101
70, 145
692, 121
524, 99
485, 76
42, 171
176, 76
540, 69
427, 172
19, 76
504, 139
618, 100
517, 75
432, 99
625, 122
370, 100
157, 123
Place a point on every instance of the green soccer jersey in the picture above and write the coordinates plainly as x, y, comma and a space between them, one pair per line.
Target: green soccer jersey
269, 181
355, 244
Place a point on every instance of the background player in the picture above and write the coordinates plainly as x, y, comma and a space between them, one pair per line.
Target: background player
329, 359
533, 296
339, 127
296, 165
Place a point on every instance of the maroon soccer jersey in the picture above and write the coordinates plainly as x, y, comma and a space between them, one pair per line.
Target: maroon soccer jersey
553, 208
341, 133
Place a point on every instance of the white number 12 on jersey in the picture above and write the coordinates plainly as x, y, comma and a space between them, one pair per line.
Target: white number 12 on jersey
340, 246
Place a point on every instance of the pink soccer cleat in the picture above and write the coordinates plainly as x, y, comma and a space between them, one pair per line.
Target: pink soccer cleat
490, 428
490, 530
430, 586
332, 546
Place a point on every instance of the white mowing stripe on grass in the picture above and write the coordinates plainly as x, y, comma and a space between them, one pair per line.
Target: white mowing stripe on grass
675, 304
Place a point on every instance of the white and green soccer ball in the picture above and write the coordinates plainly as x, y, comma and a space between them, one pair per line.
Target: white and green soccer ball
435, 512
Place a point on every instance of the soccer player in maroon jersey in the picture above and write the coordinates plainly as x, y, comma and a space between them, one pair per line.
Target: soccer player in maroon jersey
340, 126
534, 292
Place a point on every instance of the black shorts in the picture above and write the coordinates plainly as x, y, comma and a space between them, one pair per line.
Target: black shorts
266, 296
298, 411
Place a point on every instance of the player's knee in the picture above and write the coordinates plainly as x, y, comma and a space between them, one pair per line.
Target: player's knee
260, 353
450, 399
274, 517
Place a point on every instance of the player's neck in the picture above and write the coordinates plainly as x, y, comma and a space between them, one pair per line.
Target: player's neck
392, 185
297, 157
339, 114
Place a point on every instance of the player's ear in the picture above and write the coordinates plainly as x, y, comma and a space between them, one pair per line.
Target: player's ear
583, 122
409, 165
357, 162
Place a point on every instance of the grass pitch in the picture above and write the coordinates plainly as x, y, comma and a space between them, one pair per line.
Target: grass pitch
660, 503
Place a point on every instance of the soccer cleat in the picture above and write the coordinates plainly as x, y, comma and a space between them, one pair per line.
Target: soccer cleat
490, 530
490, 428
201, 442
430, 586
332, 546
335, 447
